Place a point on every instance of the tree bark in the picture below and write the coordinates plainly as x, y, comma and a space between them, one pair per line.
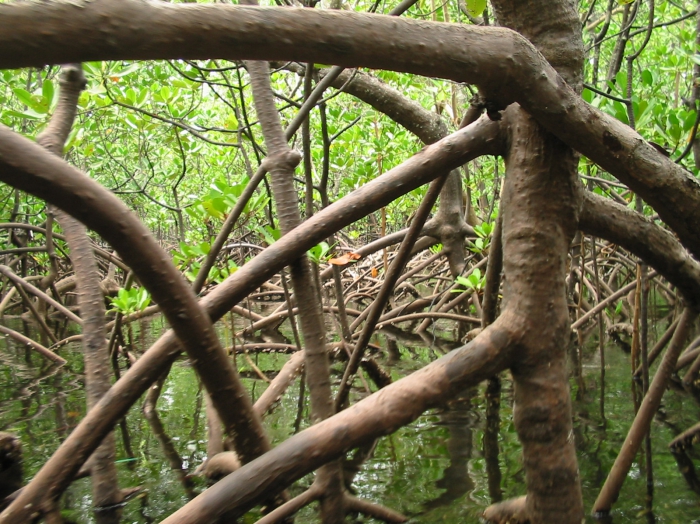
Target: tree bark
540, 204
512, 70
281, 162
106, 495
27, 166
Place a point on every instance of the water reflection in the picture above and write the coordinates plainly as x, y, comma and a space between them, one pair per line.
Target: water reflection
459, 419
446, 467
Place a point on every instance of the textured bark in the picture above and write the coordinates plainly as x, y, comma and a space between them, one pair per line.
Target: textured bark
511, 71
511, 511
449, 224
281, 162
541, 202
642, 421
7, 272
291, 369
379, 414
28, 167
540, 205
106, 495
374, 312
650, 242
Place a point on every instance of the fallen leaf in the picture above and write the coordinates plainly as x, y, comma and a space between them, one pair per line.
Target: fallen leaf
345, 259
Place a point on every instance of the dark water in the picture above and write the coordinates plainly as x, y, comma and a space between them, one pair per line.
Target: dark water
435, 470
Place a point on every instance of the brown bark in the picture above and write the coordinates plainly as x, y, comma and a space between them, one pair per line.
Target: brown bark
142, 30
97, 250
291, 369
380, 414
493, 275
26, 165
540, 205
642, 421
449, 224
388, 286
281, 162
7, 272
10, 465
640, 235
511, 511
43, 351
106, 495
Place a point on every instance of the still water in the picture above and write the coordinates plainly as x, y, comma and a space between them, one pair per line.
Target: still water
441, 468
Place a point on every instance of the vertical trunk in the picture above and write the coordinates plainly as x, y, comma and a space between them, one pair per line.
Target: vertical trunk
541, 201
105, 488
537, 233
282, 162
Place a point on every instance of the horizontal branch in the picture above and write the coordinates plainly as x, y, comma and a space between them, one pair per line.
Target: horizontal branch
502, 63
653, 244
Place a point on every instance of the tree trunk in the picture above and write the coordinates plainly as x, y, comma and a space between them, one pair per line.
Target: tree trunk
106, 496
542, 196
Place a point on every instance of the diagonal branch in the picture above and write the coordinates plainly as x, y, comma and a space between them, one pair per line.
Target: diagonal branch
379, 414
28, 167
478, 139
653, 244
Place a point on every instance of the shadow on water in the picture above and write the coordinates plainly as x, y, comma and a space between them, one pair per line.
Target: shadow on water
445, 467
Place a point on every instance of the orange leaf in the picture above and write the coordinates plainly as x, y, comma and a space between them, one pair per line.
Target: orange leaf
374, 272
344, 259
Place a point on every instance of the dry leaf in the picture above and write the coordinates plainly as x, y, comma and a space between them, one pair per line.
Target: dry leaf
345, 259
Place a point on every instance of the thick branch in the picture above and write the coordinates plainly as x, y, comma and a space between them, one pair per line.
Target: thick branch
106, 495
511, 71
480, 138
653, 244
27, 166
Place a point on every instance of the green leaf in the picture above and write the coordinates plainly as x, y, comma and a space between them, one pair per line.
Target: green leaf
231, 122
475, 7
92, 68
270, 235
130, 69
31, 101
319, 252
32, 115
48, 92
23, 96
